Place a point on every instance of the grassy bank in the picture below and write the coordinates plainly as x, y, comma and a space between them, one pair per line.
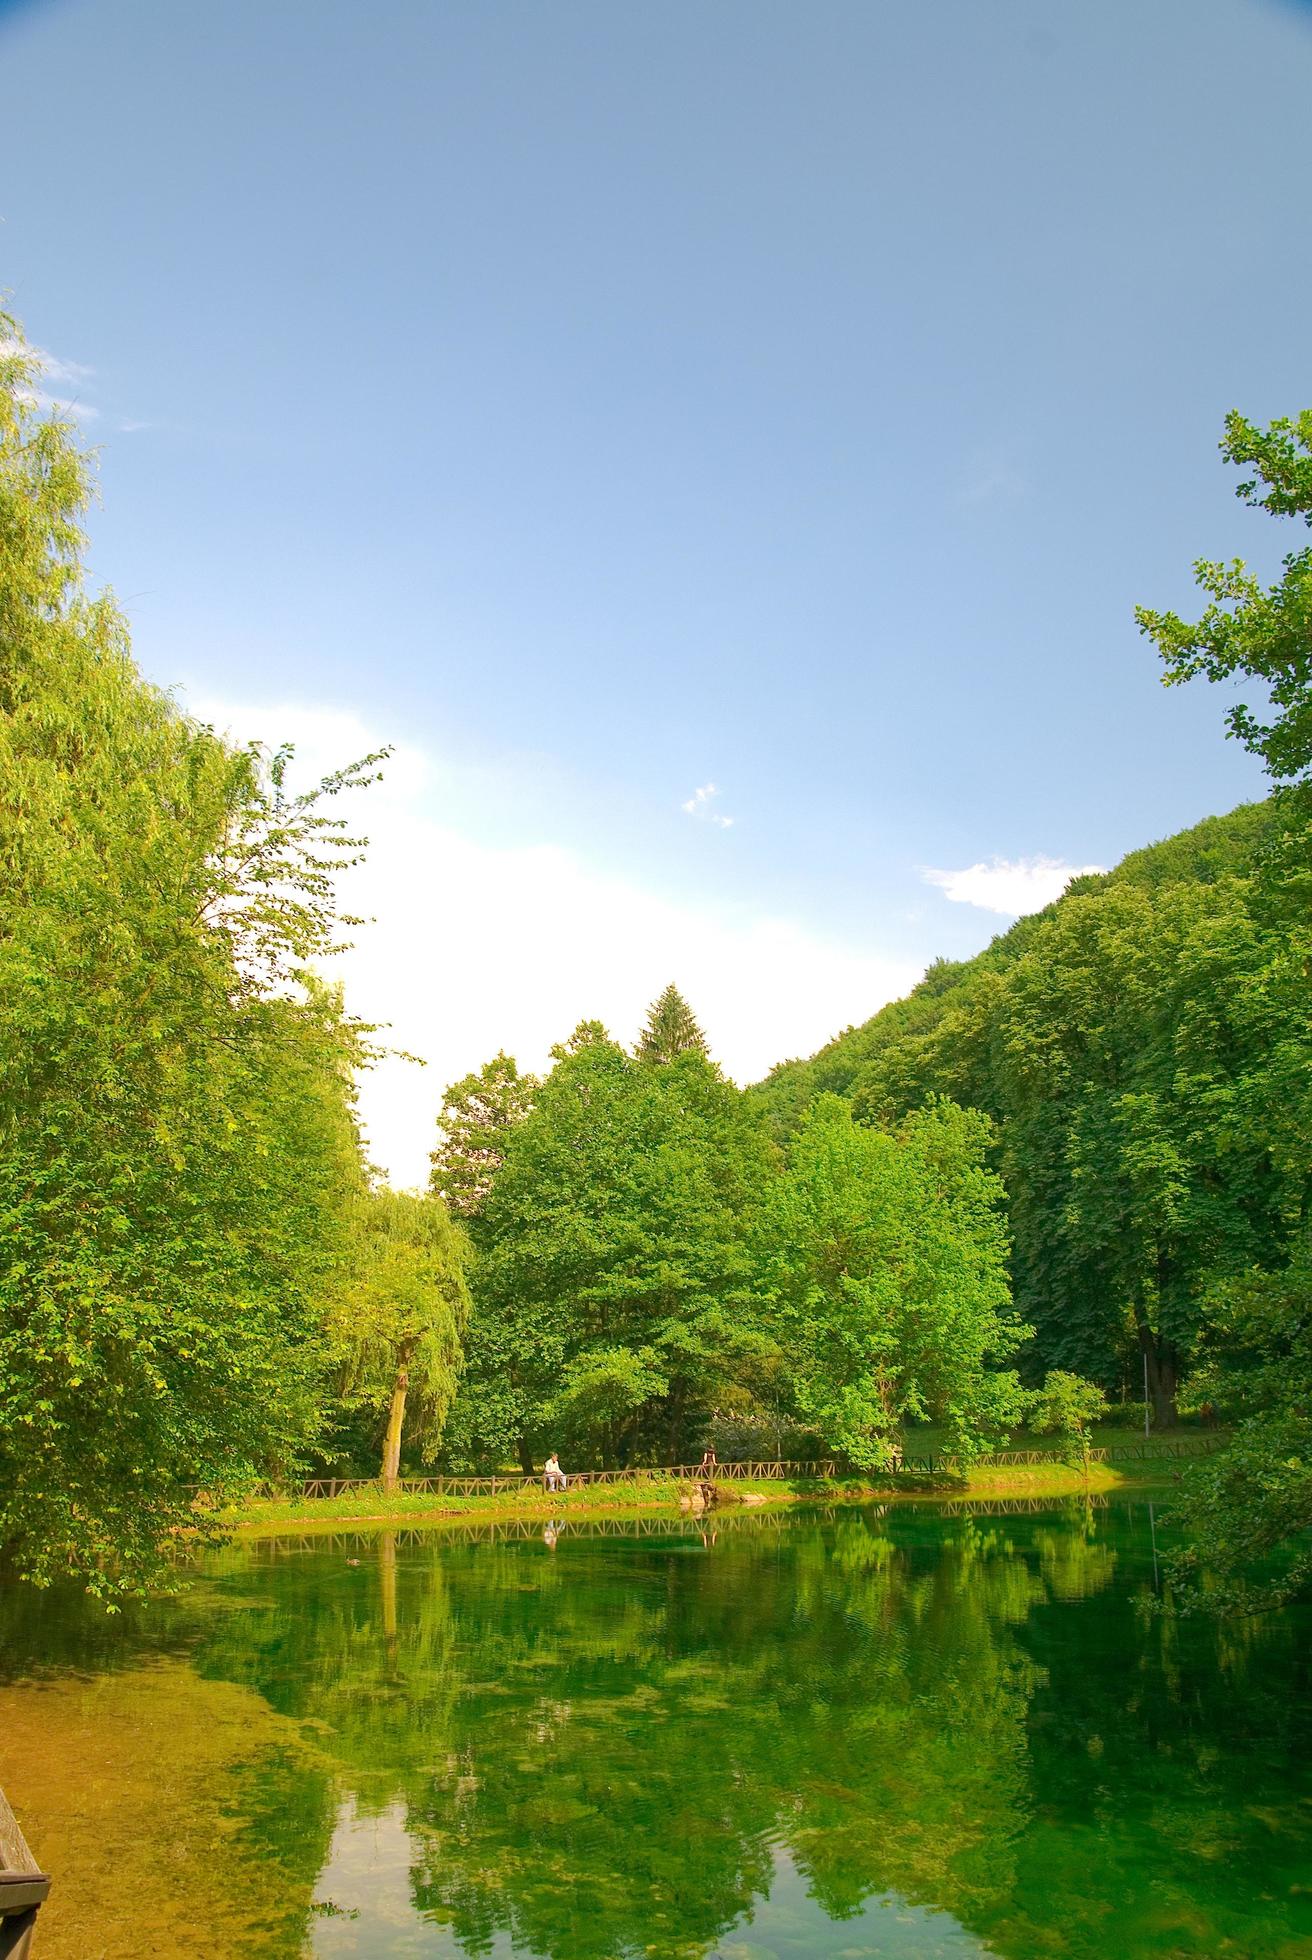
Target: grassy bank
263, 1516
660, 1495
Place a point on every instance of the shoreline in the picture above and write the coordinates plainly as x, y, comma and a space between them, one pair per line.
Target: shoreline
272, 1517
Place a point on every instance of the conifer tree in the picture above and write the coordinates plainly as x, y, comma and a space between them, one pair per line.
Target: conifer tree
671, 1029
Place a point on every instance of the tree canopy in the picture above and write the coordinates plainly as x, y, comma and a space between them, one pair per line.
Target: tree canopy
402, 1319
612, 1273
477, 1117
1250, 1513
648, 1261
884, 1256
178, 1153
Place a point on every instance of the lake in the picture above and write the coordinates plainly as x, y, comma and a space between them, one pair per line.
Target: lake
793, 1735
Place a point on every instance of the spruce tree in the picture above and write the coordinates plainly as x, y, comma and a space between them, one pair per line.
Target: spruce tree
671, 1029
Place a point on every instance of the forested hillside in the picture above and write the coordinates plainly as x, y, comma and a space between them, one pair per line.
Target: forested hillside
1216, 848
1133, 1045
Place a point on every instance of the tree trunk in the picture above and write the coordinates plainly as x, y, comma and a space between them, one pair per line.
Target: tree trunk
525, 1456
1163, 1390
674, 1443
387, 1574
396, 1418
1162, 1372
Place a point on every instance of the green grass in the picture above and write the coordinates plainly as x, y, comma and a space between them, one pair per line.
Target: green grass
1121, 1429
607, 1500
661, 1497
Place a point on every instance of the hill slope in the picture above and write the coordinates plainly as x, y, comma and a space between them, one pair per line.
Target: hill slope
1129, 1043
1217, 847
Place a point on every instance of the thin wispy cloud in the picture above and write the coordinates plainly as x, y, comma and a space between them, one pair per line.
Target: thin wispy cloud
1009, 886
53, 366
57, 369
991, 478
701, 805
59, 404
73, 375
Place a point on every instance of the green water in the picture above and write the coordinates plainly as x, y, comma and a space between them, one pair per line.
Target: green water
820, 1736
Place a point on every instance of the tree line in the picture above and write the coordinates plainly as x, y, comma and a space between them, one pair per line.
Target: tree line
650, 1263
1083, 1155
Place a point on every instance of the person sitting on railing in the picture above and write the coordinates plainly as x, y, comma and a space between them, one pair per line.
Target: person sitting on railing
553, 1475
710, 1463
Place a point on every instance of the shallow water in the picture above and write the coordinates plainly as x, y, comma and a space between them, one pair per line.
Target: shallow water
799, 1736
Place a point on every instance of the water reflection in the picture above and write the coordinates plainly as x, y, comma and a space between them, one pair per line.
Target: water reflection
854, 1734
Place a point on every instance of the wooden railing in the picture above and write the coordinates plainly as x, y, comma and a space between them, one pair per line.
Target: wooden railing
491, 1486
1149, 1451
932, 1464
23, 1887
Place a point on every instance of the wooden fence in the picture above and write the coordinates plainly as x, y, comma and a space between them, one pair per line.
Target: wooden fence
779, 1470
491, 1486
23, 1887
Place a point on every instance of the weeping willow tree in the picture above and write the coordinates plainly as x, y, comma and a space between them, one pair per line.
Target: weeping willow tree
404, 1314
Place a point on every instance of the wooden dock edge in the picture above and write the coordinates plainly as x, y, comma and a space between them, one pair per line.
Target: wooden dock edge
24, 1887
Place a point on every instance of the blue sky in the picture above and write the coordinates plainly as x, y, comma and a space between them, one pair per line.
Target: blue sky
606, 401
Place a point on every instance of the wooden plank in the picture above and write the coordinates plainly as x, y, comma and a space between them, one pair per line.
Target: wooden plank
16, 1860
24, 1887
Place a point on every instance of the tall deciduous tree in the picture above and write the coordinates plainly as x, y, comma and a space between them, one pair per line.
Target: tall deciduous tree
884, 1258
1250, 1512
478, 1114
178, 1154
612, 1287
403, 1319
1252, 631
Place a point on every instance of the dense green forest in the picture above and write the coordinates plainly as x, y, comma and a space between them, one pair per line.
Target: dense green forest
652, 1268
1121, 1041
1082, 1155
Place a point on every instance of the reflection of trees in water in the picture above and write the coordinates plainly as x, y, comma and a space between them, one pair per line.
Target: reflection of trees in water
1167, 1776
599, 1753
600, 1749
603, 1748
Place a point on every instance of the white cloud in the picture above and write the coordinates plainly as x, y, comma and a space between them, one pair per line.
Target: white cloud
59, 404
59, 370
53, 368
476, 947
49, 364
699, 805
991, 479
1010, 886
